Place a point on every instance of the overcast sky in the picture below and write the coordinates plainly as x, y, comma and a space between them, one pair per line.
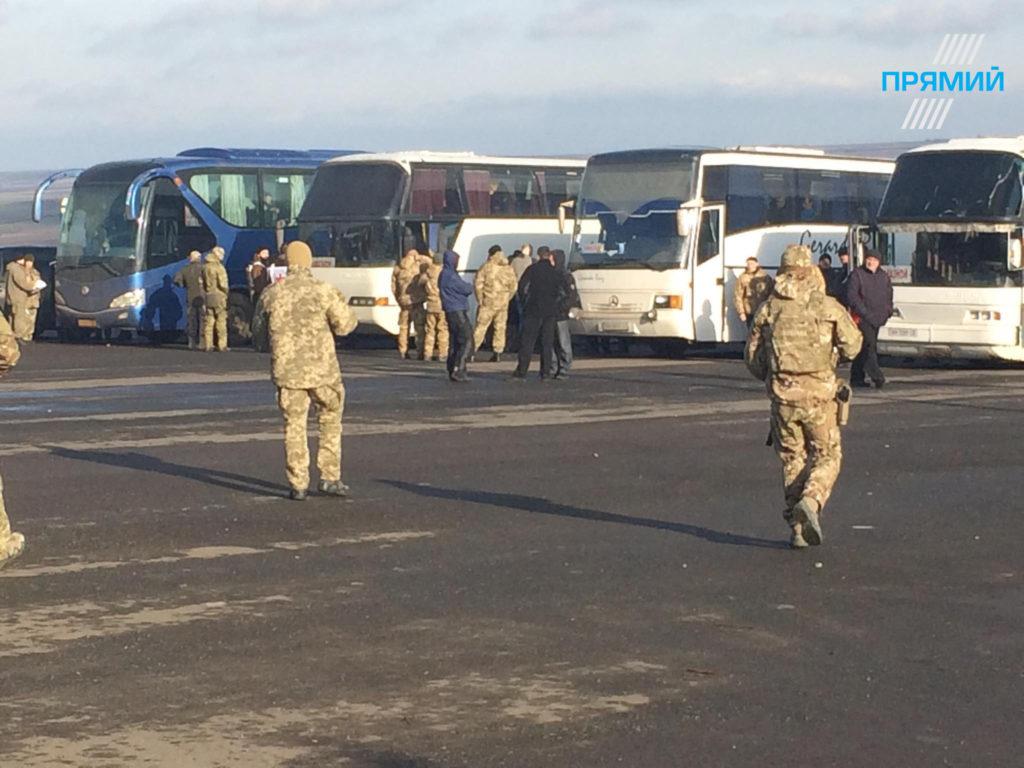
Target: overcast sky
86, 81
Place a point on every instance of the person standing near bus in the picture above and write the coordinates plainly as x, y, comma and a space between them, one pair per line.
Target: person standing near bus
869, 297
541, 293
495, 285
796, 340
12, 543
22, 296
302, 316
190, 277
569, 299
455, 293
410, 295
435, 327
215, 290
751, 289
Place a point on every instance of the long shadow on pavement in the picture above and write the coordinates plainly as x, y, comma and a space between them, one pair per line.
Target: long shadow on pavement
546, 507
144, 463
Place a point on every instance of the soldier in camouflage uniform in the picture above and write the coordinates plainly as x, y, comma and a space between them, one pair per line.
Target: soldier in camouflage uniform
11, 544
495, 285
435, 329
302, 316
752, 288
410, 295
796, 340
22, 296
190, 277
215, 286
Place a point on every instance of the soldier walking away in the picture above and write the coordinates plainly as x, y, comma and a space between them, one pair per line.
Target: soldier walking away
410, 295
540, 292
495, 286
455, 293
215, 288
22, 296
435, 327
869, 297
11, 544
190, 277
752, 288
796, 340
570, 300
302, 315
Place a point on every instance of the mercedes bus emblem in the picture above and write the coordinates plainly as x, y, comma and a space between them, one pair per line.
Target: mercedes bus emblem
85, 290
614, 301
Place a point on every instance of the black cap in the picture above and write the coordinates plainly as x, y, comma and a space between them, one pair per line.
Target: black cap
843, 249
543, 251
493, 250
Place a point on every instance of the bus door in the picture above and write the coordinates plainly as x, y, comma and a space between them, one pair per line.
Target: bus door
709, 276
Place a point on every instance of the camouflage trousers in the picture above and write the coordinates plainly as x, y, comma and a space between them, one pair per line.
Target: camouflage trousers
215, 320
23, 321
329, 402
485, 317
435, 336
807, 440
196, 311
406, 315
5, 524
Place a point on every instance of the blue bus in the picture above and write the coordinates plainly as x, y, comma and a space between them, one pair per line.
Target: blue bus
128, 227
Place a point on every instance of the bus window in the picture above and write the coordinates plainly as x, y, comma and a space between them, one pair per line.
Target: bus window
232, 196
283, 196
708, 245
557, 186
173, 229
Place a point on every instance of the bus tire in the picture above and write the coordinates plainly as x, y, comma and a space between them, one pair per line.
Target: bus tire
239, 319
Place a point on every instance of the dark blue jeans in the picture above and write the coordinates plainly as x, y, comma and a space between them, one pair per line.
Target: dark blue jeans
563, 348
460, 343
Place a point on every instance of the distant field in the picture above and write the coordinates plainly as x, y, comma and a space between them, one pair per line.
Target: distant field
16, 225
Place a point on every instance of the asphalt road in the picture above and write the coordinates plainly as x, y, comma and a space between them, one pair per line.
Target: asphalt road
588, 573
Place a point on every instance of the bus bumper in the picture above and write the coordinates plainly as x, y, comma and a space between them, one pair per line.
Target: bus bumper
993, 342
127, 319
656, 323
375, 320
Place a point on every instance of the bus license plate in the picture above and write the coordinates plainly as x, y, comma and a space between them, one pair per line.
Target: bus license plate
902, 333
86, 323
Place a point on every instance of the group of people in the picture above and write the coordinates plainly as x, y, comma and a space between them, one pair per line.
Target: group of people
23, 287
866, 291
538, 294
206, 295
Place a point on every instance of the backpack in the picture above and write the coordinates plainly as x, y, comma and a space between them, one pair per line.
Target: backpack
801, 338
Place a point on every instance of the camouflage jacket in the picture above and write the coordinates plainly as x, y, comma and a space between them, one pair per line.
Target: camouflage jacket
798, 337
428, 279
10, 352
20, 285
495, 283
190, 277
750, 291
302, 315
215, 283
405, 281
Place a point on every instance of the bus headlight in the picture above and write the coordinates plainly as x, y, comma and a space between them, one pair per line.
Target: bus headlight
668, 302
135, 298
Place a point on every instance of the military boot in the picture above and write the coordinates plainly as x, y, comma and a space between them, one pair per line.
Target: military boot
296, 494
806, 512
336, 488
13, 547
796, 537
496, 357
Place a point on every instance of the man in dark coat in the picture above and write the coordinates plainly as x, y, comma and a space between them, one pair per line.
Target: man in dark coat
869, 297
570, 300
455, 293
541, 292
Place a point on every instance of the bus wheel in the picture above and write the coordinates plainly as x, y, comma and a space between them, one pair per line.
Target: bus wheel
239, 319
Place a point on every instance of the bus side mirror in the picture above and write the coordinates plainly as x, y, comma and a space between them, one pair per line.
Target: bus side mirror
562, 214
1016, 252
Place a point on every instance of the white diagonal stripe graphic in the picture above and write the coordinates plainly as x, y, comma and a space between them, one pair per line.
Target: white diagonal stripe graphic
953, 43
965, 41
910, 112
964, 50
917, 115
939, 104
942, 49
977, 47
925, 114
945, 111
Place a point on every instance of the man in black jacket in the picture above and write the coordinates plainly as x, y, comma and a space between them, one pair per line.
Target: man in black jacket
869, 297
540, 293
570, 300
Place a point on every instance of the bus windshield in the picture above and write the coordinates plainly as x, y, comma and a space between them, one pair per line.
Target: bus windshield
975, 185
949, 259
354, 190
635, 203
95, 235
353, 244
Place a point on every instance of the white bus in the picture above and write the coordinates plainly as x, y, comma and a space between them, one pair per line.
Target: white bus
364, 211
950, 232
677, 225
